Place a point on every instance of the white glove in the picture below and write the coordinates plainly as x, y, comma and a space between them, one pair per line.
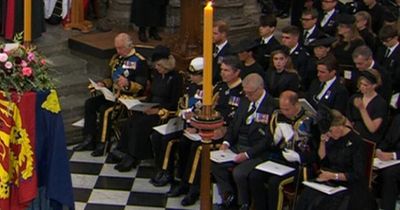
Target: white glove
291, 155
283, 130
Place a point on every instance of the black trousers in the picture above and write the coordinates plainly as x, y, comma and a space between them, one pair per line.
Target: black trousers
135, 138
159, 143
93, 106
265, 197
390, 190
187, 152
228, 181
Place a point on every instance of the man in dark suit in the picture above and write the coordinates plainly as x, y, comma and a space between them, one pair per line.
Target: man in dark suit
389, 55
248, 136
389, 149
327, 89
299, 55
327, 17
363, 60
310, 31
221, 47
267, 41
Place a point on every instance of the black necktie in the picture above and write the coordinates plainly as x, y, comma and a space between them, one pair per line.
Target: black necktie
305, 35
216, 49
262, 41
250, 112
387, 53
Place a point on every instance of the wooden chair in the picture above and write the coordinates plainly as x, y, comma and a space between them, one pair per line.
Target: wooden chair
370, 152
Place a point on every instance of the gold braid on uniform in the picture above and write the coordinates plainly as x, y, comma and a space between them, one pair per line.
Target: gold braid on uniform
274, 121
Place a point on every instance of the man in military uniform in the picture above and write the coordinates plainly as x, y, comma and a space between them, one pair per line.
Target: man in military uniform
128, 76
247, 136
227, 94
290, 127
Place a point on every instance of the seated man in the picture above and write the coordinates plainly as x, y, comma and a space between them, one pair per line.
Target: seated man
129, 74
291, 127
247, 136
389, 149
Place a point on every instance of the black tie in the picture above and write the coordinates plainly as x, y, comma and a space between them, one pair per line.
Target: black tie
216, 49
250, 112
305, 35
387, 53
262, 41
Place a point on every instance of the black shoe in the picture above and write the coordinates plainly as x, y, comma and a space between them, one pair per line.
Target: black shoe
99, 151
143, 36
165, 179
190, 198
229, 200
87, 144
177, 190
157, 177
113, 158
126, 164
244, 206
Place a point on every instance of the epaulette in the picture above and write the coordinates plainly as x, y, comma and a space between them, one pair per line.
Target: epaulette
113, 60
141, 57
274, 120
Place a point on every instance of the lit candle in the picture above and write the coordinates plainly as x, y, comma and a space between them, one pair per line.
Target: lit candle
27, 21
207, 54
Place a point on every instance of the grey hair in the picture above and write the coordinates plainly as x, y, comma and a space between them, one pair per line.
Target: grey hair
253, 80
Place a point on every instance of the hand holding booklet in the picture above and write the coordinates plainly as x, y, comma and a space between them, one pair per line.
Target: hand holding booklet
222, 156
274, 168
108, 95
173, 125
324, 188
379, 164
136, 105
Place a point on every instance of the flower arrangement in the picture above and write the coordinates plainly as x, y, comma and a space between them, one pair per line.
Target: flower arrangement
22, 68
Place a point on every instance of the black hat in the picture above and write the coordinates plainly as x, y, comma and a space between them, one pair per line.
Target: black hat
244, 45
160, 52
345, 19
326, 42
369, 76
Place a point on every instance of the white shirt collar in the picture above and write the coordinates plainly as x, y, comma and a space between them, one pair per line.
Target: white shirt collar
326, 17
266, 39
372, 65
291, 50
220, 46
310, 31
327, 85
393, 48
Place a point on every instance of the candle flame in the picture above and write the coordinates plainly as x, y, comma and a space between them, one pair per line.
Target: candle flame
209, 3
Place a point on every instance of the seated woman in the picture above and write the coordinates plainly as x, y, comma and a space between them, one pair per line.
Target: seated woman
367, 110
166, 89
281, 76
363, 24
389, 178
342, 155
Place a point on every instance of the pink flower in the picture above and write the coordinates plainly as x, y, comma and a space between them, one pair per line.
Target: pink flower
27, 71
8, 65
43, 61
24, 64
3, 57
31, 56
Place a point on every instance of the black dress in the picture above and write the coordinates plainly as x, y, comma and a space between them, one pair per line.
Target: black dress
165, 90
253, 68
276, 83
345, 155
376, 108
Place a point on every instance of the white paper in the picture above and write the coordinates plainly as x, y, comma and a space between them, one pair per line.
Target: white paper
136, 105
324, 188
347, 74
222, 156
108, 95
379, 164
307, 106
173, 125
393, 100
192, 136
274, 168
79, 123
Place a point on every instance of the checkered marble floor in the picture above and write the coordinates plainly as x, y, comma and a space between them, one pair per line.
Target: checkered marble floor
98, 186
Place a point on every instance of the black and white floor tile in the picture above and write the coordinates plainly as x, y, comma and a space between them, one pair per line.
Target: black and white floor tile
98, 186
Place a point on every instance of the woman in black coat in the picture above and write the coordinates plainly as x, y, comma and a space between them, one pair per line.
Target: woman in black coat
166, 89
343, 156
149, 13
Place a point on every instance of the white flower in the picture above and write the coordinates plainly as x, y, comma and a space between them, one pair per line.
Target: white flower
8, 65
3, 57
